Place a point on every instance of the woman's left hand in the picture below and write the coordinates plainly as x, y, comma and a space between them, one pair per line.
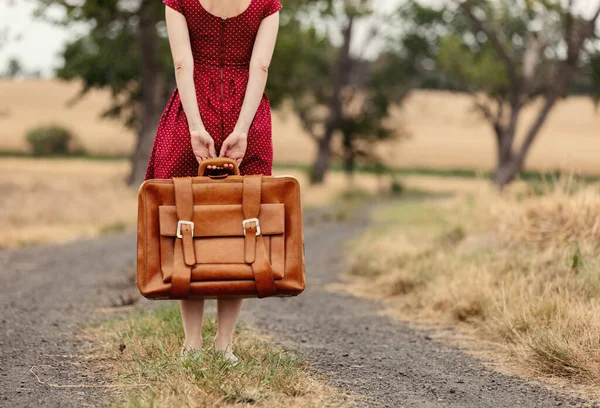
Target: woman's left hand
234, 146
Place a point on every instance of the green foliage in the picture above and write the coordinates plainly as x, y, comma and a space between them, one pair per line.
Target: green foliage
14, 69
109, 55
595, 76
51, 140
397, 188
464, 58
578, 259
301, 62
475, 68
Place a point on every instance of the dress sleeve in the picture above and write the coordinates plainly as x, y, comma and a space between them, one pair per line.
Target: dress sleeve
273, 6
175, 5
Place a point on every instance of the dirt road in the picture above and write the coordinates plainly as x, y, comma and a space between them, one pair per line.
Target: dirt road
47, 291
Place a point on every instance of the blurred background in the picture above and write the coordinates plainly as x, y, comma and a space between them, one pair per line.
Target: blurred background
374, 96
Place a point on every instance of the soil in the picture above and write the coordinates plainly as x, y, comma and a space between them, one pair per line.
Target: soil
48, 292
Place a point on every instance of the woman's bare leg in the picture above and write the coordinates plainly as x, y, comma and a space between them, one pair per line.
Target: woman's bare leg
228, 311
192, 312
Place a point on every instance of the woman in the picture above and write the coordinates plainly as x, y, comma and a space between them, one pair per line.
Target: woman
222, 50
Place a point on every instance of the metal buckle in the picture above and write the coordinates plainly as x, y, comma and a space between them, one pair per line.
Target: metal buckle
180, 223
249, 220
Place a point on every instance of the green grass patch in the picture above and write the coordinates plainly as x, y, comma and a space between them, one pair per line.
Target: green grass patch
114, 228
142, 354
410, 213
530, 176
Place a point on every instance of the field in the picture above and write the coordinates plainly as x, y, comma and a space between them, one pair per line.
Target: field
58, 200
444, 132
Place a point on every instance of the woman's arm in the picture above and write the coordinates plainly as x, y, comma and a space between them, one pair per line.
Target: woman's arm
181, 50
262, 53
264, 45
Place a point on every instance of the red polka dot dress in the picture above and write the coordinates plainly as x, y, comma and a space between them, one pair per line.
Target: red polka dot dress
221, 49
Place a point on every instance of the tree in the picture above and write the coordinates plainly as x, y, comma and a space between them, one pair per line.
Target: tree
332, 89
14, 68
509, 54
125, 51
381, 83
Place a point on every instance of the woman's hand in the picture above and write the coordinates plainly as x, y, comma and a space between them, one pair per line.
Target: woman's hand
203, 145
234, 146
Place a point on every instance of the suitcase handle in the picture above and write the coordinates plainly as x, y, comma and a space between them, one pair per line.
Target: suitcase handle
218, 161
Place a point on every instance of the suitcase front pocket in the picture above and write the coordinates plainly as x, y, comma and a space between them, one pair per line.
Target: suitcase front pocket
219, 241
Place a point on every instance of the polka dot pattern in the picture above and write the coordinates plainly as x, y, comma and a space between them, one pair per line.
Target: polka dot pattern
222, 49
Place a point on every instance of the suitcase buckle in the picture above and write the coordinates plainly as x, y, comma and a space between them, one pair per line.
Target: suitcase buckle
249, 220
180, 223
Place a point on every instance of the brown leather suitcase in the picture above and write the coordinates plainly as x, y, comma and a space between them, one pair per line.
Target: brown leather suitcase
220, 236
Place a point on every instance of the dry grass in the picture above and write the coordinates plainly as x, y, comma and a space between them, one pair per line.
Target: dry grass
445, 133
521, 269
59, 200
150, 372
29, 103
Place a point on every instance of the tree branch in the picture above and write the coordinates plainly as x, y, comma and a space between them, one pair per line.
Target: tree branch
307, 123
341, 74
596, 16
501, 49
535, 128
485, 110
500, 111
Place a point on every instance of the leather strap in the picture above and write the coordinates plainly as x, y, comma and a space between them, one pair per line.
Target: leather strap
184, 257
250, 244
263, 273
254, 245
251, 196
182, 274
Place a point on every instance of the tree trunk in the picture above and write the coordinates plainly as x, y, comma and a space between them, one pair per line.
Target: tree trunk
339, 80
510, 164
321, 164
506, 172
349, 158
506, 168
153, 88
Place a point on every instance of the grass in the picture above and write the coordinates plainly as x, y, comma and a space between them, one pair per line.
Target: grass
140, 353
54, 200
521, 269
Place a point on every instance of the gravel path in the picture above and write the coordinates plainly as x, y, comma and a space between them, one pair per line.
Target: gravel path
46, 291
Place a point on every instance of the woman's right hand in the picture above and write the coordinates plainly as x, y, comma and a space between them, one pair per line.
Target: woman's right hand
203, 145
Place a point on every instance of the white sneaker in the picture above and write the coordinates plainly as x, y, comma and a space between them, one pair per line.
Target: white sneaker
232, 358
227, 355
